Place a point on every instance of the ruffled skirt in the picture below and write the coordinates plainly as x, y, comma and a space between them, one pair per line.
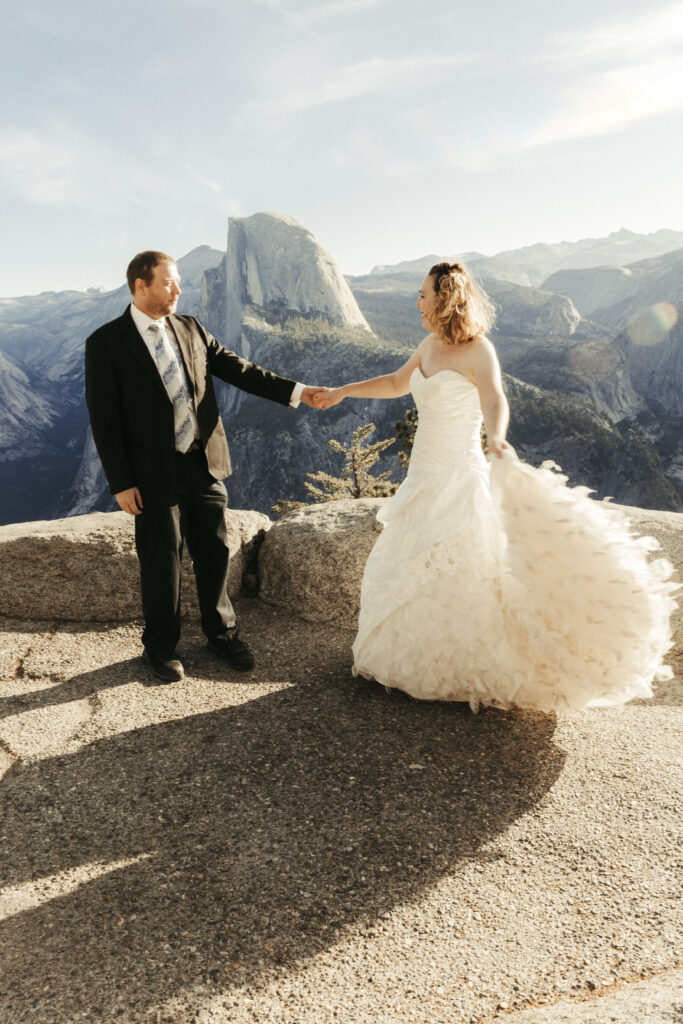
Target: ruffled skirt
511, 589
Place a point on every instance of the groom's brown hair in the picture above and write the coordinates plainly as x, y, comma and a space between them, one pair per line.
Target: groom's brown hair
142, 267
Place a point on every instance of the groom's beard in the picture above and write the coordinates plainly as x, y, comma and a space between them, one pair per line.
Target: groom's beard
165, 308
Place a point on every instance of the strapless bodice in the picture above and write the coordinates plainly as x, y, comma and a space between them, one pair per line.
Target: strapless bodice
449, 420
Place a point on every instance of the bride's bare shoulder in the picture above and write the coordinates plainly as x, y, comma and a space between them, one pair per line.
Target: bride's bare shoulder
481, 342
482, 349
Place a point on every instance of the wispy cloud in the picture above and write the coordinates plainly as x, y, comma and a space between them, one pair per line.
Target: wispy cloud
619, 73
624, 40
372, 76
303, 14
613, 100
59, 166
227, 205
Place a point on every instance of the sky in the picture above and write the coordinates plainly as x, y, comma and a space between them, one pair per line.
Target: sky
390, 128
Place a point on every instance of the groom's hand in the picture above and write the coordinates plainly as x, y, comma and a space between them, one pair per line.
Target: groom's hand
308, 396
329, 397
130, 501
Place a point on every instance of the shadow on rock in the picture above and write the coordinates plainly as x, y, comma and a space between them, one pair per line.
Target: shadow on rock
78, 687
268, 829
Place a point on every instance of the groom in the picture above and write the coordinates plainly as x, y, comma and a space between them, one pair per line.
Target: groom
159, 435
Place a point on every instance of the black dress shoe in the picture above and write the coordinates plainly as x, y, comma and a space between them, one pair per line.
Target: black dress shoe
233, 650
166, 668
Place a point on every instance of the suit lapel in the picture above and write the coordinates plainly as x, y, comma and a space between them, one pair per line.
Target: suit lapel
130, 336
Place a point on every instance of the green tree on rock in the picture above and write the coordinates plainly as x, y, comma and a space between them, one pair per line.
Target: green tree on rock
356, 480
405, 432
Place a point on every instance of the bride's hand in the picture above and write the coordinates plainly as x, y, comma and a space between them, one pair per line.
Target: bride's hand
326, 399
497, 446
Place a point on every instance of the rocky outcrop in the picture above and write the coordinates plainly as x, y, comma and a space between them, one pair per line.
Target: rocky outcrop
90, 490
592, 288
309, 563
530, 312
312, 560
275, 263
655, 361
24, 411
85, 569
613, 296
285, 305
595, 372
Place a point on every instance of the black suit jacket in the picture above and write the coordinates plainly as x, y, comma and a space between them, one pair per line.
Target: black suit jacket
132, 416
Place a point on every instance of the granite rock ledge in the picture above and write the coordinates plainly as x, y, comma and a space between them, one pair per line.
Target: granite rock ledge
84, 569
310, 562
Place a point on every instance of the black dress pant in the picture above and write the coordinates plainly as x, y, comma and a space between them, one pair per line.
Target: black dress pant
195, 513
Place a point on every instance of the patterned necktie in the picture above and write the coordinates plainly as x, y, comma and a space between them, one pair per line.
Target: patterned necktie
173, 378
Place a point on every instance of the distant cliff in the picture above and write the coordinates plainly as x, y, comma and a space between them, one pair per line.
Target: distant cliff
594, 359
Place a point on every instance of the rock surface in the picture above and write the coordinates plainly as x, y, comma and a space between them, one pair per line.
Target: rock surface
85, 568
293, 846
658, 1000
532, 313
312, 560
611, 295
273, 260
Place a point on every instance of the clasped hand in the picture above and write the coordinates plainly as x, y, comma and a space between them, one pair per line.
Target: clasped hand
327, 398
322, 398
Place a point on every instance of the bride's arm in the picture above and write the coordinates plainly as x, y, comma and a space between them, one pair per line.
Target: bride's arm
494, 404
389, 385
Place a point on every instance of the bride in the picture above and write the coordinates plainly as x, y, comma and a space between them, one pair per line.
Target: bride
493, 582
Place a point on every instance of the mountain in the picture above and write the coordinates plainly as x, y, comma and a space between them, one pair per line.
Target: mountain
655, 366
615, 460
575, 378
614, 295
532, 264
388, 303
540, 337
603, 403
424, 264
275, 263
280, 300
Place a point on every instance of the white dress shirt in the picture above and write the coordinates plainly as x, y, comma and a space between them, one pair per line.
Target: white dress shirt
143, 322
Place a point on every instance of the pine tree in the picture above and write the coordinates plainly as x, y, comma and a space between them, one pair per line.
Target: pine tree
356, 480
405, 432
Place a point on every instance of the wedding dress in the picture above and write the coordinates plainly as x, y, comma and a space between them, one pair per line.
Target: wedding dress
495, 583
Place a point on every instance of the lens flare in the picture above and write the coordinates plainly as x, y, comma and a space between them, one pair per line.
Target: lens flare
651, 325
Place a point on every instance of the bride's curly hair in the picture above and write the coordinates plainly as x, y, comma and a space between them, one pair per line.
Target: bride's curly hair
462, 310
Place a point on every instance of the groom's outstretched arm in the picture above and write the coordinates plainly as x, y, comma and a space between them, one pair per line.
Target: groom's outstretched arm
251, 377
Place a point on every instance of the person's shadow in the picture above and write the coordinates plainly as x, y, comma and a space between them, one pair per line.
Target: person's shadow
78, 687
257, 834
